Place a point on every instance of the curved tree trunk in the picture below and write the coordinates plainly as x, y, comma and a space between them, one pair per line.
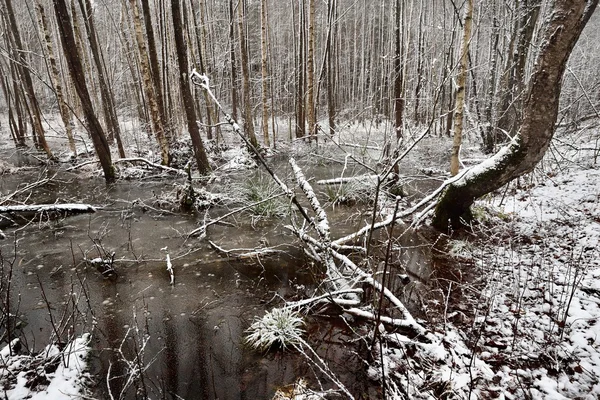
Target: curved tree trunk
540, 110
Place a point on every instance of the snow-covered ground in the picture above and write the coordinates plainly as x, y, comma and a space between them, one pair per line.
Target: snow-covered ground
528, 327
51, 374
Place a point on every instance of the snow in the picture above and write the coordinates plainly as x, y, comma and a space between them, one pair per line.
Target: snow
69, 379
533, 324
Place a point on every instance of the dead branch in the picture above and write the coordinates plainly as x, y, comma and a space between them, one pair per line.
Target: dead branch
151, 164
252, 253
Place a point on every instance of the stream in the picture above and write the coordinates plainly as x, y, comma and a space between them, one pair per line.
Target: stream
194, 328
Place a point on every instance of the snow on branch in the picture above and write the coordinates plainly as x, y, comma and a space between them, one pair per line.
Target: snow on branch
322, 223
38, 208
151, 164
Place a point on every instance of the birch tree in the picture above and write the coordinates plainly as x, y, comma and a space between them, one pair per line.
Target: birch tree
461, 82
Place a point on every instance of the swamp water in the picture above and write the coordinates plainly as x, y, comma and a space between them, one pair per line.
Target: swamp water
195, 327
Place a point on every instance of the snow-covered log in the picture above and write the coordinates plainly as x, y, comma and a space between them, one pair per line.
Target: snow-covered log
39, 208
151, 164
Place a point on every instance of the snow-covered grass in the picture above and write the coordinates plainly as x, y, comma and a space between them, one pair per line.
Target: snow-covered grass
280, 327
50, 374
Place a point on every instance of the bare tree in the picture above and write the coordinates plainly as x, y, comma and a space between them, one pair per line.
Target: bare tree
246, 105
78, 76
460, 89
149, 87
22, 69
184, 84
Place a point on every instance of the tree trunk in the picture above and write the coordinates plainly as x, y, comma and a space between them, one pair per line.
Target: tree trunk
311, 115
108, 104
513, 96
246, 106
264, 73
149, 87
234, 92
55, 74
398, 74
300, 71
460, 90
25, 77
188, 100
568, 18
329, 47
77, 75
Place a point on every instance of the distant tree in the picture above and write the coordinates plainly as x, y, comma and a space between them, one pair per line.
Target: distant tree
156, 119
246, 104
108, 102
55, 76
22, 68
76, 71
540, 109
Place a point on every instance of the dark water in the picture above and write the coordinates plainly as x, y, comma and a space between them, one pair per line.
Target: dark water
187, 337
194, 328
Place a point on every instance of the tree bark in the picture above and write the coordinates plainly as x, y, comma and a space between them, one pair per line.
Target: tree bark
108, 103
149, 87
186, 93
77, 75
246, 106
460, 90
55, 74
567, 20
264, 72
25, 77
398, 73
311, 115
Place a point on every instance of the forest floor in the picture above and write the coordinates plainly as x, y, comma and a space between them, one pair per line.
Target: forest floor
522, 312
521, 315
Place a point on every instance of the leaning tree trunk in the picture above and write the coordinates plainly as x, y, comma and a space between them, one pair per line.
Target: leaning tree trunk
67, 38
540, 110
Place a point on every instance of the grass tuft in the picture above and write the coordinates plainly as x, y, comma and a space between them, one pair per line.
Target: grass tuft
279, 328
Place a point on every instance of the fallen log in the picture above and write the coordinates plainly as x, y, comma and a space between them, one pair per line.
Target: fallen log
39, 208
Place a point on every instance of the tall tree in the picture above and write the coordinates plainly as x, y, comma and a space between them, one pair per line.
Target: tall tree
108, 103
184, 84
398, 72
513, 87
461, 83
67, 38
540, 109
246, 104
311, 114
55, 77
264, 72
152, 98
22, 68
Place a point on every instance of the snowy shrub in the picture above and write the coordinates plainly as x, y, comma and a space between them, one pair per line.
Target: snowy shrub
279, 328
